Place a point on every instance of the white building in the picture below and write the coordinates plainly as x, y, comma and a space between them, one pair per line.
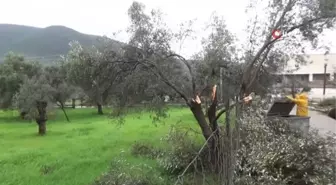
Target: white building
312, 74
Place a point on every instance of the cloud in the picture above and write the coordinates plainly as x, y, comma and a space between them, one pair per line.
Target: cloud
104, 17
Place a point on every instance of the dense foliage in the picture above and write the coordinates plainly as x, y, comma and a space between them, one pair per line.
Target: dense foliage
13, 72
276, 154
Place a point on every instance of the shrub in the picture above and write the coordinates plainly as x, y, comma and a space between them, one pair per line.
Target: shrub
182, 150
275, 154
123, 173
145, 150
328, 102
332, 113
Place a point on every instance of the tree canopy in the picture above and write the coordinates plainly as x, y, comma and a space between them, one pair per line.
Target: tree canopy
13, 72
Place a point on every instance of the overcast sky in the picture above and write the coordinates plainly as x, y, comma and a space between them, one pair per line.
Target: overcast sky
104, 17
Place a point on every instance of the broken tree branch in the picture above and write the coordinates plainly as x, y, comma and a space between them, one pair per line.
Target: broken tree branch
221, 112
256, 71
156, 71
159, 74
193, 84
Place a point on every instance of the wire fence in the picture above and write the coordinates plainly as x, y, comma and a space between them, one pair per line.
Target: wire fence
215, 162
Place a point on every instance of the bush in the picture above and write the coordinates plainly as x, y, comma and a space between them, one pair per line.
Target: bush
182, 150
332, 113
145, 150
123, 173
275, 154
328, 102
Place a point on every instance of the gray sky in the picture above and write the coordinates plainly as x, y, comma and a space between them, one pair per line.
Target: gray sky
104, 17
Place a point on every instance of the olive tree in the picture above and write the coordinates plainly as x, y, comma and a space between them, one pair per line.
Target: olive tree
34, 98
151, 47
12, 74
91, 70
62, 91
299, 21
77, 94
97, 70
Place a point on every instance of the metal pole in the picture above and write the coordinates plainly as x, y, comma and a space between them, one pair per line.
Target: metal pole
221, 83
325, 79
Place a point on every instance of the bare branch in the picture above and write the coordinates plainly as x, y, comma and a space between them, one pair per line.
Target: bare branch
196, 157
150, 65
221, 112
189, 68
117, 75
267, 47
158, 73
212, 109
269, 40
306, 23
255, 74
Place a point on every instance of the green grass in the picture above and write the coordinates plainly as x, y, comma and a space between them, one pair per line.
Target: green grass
74, 153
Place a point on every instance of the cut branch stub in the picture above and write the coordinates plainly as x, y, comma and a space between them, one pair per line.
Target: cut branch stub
213, 95
197, 100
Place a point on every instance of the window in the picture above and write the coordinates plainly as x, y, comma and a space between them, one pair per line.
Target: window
320, 77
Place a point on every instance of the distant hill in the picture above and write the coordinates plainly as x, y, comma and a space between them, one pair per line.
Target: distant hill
44, 44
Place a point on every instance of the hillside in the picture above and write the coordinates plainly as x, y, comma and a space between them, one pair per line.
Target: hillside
44, 44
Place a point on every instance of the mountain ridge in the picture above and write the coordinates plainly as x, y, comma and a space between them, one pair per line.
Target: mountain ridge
43, 43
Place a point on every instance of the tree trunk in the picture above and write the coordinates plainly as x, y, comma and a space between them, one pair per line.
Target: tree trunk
100, 109
216, 144
65, 114
42, 129
197, 111
73, 103
23, 114
41, 119
81, 102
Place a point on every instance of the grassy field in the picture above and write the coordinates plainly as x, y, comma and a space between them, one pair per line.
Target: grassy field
78, 152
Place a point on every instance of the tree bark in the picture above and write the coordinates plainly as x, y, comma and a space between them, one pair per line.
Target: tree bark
23, 114
42, 128
81, 102
73, 103
197, 111
100, 109
213, 143
41, 119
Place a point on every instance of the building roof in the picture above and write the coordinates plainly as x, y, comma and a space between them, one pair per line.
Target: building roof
315, 64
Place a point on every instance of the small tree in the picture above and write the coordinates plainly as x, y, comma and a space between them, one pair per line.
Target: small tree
94, 70
13, 72
56, 77
34, 97
78, 94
